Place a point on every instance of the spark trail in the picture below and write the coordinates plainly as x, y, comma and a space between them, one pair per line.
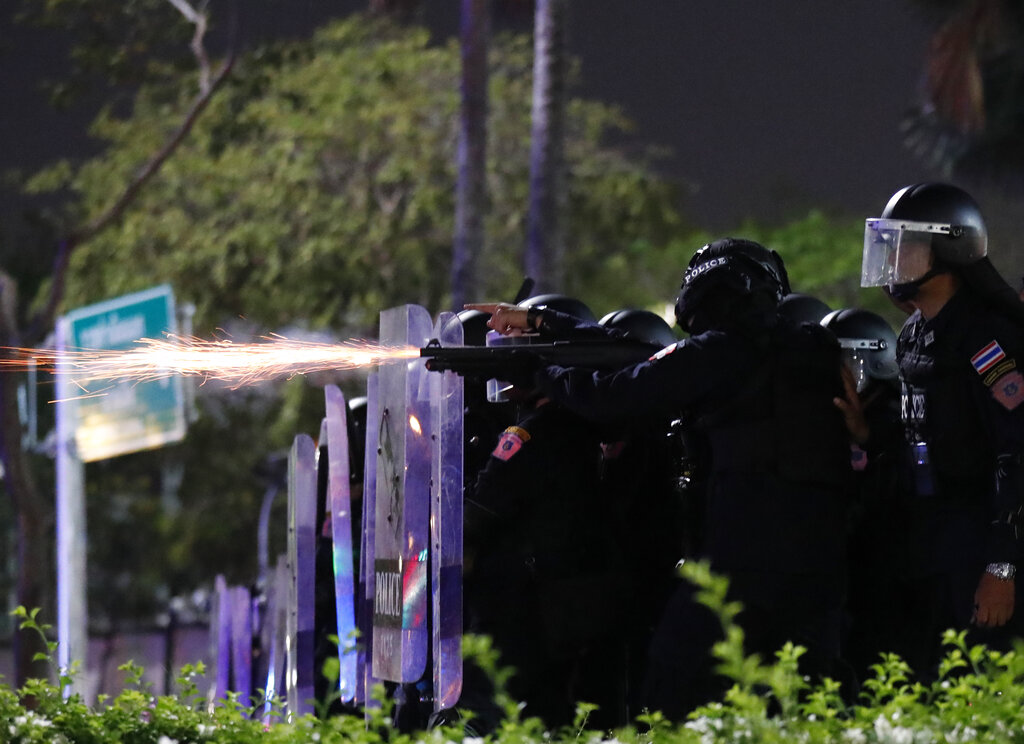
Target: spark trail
236, 364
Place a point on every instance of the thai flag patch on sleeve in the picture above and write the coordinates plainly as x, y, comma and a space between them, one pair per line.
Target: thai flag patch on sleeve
984, 359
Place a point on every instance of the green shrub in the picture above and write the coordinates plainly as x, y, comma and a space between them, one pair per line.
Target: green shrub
979, 697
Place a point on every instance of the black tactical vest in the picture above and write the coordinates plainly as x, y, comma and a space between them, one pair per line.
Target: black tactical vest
784, 420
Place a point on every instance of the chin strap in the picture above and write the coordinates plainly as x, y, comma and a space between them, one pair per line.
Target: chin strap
909, 290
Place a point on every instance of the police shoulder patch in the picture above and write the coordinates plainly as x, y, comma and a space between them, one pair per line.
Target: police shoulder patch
664, 352
1009, 390
510, 442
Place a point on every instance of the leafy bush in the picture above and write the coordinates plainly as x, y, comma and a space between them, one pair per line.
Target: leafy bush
977, 698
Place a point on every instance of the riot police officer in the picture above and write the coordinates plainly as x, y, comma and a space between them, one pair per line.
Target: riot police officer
878, 518
761, 389
640, 477
542, 578
963, 420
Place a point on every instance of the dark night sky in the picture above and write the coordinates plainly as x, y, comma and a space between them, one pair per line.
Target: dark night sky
767, 107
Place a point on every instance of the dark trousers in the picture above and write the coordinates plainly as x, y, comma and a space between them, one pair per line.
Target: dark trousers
942, 601
681, 669
563, 638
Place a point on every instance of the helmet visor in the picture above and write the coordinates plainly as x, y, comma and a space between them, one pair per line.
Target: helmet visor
857, 357
897, 251
857, 364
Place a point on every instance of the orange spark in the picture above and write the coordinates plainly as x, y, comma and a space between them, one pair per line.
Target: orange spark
237, 364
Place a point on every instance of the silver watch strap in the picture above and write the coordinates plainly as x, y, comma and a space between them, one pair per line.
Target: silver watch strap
1004, 571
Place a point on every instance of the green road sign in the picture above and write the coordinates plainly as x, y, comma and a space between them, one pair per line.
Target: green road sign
114, 418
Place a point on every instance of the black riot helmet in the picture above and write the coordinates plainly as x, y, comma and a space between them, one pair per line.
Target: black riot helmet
562, 304
943, 204
868, 343
924, 228
500, 391
929, 228
803, 308
642, 325
731, 279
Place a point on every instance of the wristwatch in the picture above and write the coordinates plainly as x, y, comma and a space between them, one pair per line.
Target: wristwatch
533, 315
1002, 571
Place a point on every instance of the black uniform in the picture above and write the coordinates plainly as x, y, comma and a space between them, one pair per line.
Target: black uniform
778, 480
639, 478
964, 423
541, 571
878, 580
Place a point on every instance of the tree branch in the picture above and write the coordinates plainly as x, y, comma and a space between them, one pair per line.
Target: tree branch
44, 319
8, 310
197, 18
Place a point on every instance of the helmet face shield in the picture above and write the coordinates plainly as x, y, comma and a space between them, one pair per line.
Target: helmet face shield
855, 362
857, 355
505, 391
868, 344
897, 251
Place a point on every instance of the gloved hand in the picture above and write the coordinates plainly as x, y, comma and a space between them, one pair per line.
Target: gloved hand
993, 601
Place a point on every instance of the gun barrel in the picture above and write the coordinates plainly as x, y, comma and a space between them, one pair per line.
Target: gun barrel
468, 359
610, 354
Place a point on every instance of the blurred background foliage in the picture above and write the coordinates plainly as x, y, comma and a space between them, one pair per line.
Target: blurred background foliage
318, 188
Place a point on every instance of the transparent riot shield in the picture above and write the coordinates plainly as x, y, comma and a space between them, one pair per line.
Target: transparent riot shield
220, 637
339, 504
401, 540
276, 619
240, 602
302, 484
364, 593
446, 409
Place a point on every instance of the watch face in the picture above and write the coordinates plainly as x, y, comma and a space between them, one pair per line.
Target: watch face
1003, 571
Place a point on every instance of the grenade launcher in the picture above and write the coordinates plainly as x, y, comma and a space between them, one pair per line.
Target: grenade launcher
521, 359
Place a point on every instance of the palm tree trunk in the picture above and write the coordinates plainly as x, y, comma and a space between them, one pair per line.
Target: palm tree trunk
471, 184
545, 234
